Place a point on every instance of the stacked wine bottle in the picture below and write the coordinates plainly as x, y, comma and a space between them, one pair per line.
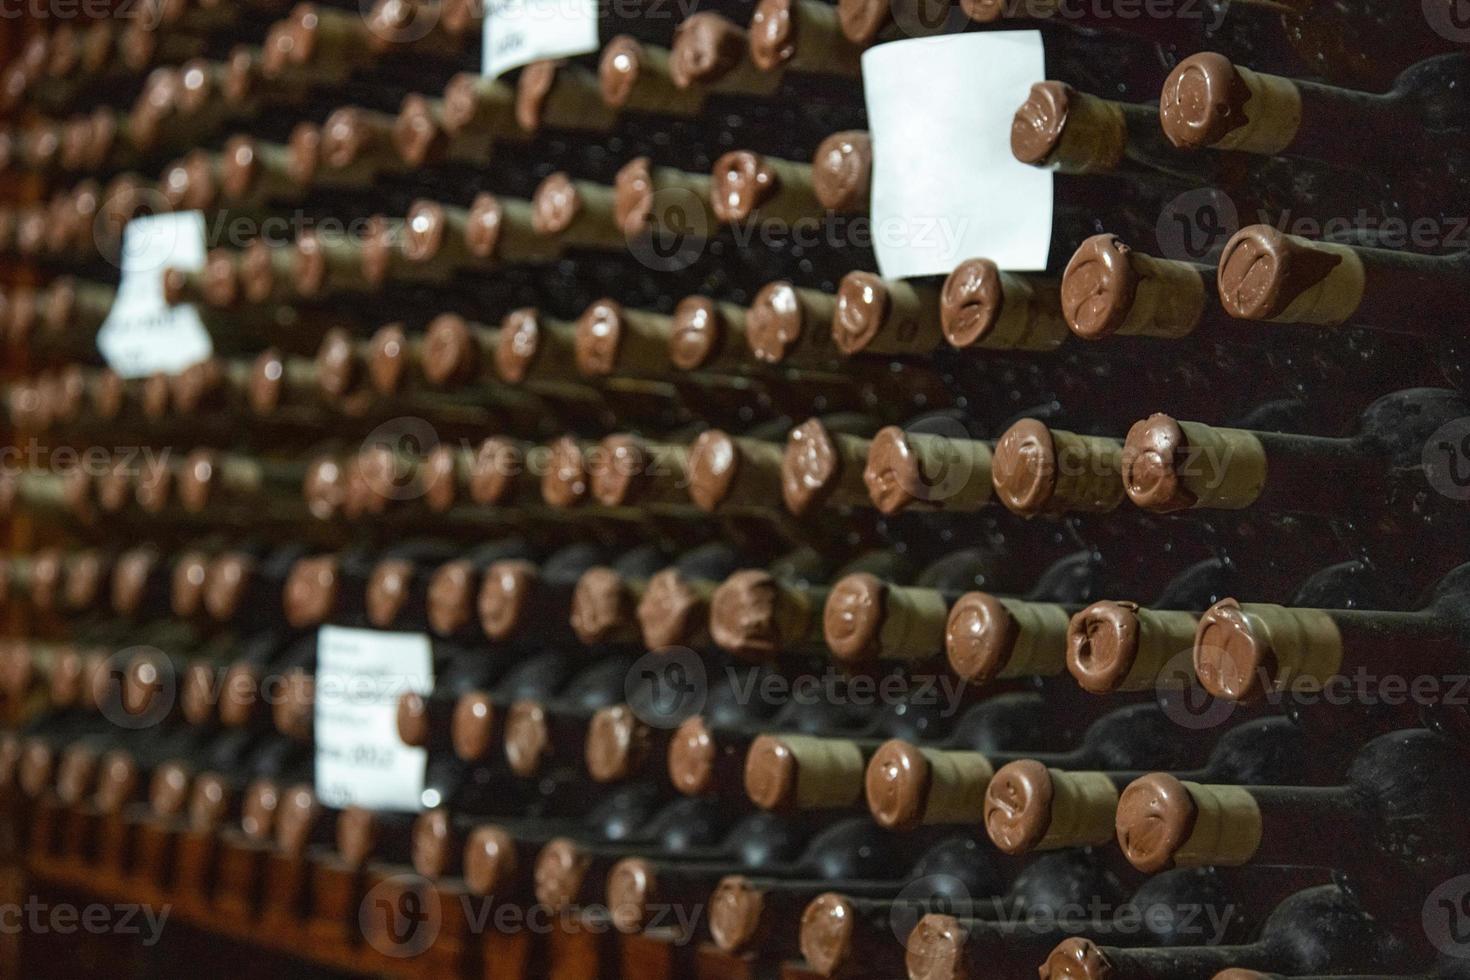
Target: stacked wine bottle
1109, 620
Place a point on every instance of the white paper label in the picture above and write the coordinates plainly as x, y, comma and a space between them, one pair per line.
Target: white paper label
360, 674
143, 334
518, 32
946, 187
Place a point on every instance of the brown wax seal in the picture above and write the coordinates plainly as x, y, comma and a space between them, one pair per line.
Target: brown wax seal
226, 582
971, 302
417, 135
425, 231
197, 479
527, 738
863, 305
325, 488
697, 333
472, 726
148, 674
243, 74
130, 579
86, 573
257, 272
304, 153
1037, 126
1263, 270
412, 719
1018, 806
936, 948
601, 603
380, 245
707, 47
493, 471
311, 591
347, 135
979, 637
118, 781
240, 695
297, 812
862, 20
209, 802
735, 913
156, 391
619, 69
533, 89
826, 933
1156, 815
221, 279
691, 762
168, 791
741, 181
1102, 645
1154, 454
555, 205
744, 614
432, 836
193, 387
842, 170
632, 886
775, 322
10, 754
37, 767
187, 582
1099, 287
267, 382
1024, 468
505, 597
518, 344
77, 774
852, 620
714, 463
600, 332
617, 744
773, 34
892, 474
451, 597
1231, 659
47, 573
482, 228
1203, 101
671, 612
389, 359
619, 465
67, 678
770, 773
338, 368
387, 590
897, 785
451, 355
198, 694
565, 481
489, 860
258, 809
356, 835
633, 196
1077, 959
561, 868
810, 467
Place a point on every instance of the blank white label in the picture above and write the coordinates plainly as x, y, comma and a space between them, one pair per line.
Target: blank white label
945, 185
143, 334
518, 32
360, 674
